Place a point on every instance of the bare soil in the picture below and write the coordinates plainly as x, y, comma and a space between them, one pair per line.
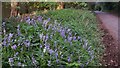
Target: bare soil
112, 53
110, 56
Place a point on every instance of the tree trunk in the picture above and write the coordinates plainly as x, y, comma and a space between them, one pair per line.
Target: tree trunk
14, 10
60, 6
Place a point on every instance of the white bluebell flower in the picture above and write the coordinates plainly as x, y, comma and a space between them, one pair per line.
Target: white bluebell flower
49, 63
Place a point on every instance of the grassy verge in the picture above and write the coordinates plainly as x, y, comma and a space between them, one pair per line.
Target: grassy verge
72, 40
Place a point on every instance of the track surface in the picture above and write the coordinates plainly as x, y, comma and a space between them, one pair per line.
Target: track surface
109, 24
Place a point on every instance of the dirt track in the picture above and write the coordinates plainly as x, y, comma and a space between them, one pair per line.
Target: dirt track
109, 24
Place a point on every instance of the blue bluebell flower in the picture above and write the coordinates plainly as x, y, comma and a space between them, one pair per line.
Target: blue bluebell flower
57, 60
14, 46
19, 63
63, 33
27, 43
5, 41
34, 60
69, 39
69, 59
56, 54
39, 18
16, 53
10, 60
51, 51
18, 30
10, 36
74, 37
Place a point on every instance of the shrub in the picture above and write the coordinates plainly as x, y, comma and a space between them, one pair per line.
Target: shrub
76, 5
